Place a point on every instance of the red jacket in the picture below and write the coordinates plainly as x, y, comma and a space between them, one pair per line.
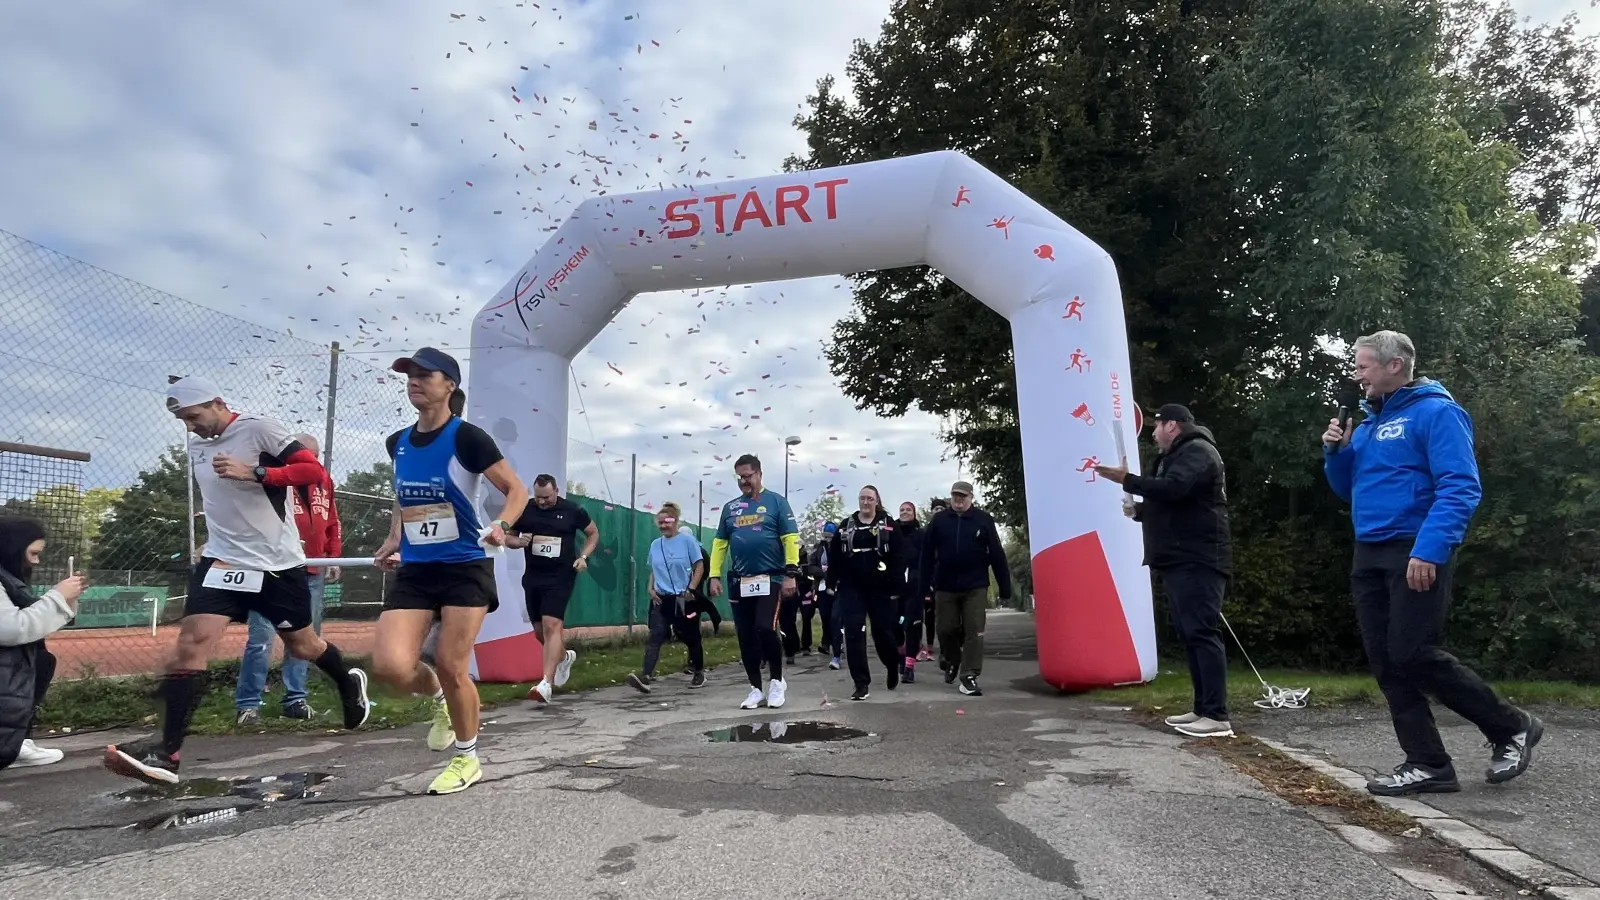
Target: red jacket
317, 519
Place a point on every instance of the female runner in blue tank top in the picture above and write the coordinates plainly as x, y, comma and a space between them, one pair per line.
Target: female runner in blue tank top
440, 532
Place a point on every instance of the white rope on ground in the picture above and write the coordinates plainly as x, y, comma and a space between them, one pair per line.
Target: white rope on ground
1273, 697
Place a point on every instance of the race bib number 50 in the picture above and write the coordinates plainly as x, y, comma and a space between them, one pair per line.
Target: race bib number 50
434, 523
223, 577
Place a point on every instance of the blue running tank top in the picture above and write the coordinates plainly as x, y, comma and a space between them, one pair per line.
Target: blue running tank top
440, 516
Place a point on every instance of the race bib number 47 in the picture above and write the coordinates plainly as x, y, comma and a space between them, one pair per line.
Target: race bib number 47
758, 586
222, 577
434, 523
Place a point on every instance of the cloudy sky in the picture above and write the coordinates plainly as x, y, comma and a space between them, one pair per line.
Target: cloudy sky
372, 173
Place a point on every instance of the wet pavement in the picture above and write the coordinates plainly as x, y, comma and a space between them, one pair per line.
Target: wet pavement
1021, 793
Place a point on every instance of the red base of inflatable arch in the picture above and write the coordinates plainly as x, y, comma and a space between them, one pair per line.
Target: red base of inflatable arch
1083, 637
510, 660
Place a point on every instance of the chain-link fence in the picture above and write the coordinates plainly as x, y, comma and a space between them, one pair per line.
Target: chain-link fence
97, 457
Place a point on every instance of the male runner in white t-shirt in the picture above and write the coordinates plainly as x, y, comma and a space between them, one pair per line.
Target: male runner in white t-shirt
245, 466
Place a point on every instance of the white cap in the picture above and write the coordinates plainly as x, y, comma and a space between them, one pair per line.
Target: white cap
191, 390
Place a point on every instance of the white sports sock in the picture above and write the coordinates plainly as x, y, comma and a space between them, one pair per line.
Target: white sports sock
467, 748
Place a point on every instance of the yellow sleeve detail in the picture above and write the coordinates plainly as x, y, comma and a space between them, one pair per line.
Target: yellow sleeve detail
791, 549
719, 556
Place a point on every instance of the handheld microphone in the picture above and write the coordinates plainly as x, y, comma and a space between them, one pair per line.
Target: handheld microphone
1348, 402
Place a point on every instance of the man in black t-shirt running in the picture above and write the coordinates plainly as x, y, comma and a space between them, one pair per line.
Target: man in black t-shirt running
547, 533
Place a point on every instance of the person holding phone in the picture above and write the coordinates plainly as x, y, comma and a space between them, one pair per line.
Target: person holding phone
26, 667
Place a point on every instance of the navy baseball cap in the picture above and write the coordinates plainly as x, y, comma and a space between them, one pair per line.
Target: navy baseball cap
1174, 412
430, 359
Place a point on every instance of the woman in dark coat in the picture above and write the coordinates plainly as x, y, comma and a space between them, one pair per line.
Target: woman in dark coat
26, 667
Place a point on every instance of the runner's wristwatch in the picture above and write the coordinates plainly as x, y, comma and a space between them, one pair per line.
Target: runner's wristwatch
791, 571
260, 472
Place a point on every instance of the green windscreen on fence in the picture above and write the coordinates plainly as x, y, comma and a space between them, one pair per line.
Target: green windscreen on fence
616, 589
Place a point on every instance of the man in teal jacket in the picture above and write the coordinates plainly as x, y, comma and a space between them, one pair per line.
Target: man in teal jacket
1409, 474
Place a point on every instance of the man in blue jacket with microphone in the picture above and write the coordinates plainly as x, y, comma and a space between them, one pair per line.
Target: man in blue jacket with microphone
1410, 476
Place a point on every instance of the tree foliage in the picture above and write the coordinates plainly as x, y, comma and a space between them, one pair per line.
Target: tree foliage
147, 527
829, 507
1272, 180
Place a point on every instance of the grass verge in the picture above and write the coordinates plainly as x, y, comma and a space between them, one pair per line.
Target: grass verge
1303, 786
1171, 690
101, 703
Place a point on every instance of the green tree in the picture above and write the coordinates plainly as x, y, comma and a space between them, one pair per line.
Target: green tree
147, 527
1090, 109
366, 506
829, 507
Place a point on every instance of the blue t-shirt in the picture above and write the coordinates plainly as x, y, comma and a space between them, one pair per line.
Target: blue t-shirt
672, 562
756, 529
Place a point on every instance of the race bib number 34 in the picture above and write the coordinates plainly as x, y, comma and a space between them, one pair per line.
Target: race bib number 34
757, 586
223, 577
434, 523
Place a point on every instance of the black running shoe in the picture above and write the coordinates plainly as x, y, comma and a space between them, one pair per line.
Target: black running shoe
969, 686
862, 692
1409, 778
637, 683
146, 761
299, 709
949, 674
353, 697
1512, 758
699, 680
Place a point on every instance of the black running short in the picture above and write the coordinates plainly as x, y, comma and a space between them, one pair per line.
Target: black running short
282, 597
434, 586
548, 598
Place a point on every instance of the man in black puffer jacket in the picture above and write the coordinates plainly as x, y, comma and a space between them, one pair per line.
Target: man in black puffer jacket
1186, 540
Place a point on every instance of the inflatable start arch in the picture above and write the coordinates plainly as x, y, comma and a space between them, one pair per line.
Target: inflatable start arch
1058, 290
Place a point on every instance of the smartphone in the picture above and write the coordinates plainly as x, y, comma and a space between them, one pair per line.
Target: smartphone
72, 568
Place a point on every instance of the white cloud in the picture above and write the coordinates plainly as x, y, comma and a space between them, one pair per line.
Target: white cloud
249, 158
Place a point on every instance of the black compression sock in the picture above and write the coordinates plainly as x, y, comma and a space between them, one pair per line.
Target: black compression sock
331, 662
181, 692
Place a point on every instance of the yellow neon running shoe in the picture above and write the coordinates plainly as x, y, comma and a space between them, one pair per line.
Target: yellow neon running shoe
462, 773
440, 734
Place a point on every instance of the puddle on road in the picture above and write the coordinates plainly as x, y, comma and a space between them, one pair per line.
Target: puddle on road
267, 789
190, 820
784, 733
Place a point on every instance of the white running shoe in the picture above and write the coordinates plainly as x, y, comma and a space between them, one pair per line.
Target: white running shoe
564, 668
540, 693
34, 755
753, 701
775, 691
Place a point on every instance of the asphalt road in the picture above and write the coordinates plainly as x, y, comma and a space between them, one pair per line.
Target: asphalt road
1020, 793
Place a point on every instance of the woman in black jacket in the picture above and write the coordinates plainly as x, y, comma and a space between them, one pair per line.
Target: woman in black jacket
26, 667
866, 572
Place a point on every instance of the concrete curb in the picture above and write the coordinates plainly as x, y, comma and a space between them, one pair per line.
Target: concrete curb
1503, 859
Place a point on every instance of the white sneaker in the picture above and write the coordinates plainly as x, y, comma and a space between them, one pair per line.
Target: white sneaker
540, 693
775, 691
753, 701
564, 668
34, 755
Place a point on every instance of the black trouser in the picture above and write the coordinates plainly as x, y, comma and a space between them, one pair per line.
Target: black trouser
789, 621
755, 620
859, 610
1402, 629
44, 671
832, 643
702, 604
808, 610
674, 615
1195, 593
915, 612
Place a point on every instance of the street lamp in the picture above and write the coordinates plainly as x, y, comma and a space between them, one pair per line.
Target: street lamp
787, 443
